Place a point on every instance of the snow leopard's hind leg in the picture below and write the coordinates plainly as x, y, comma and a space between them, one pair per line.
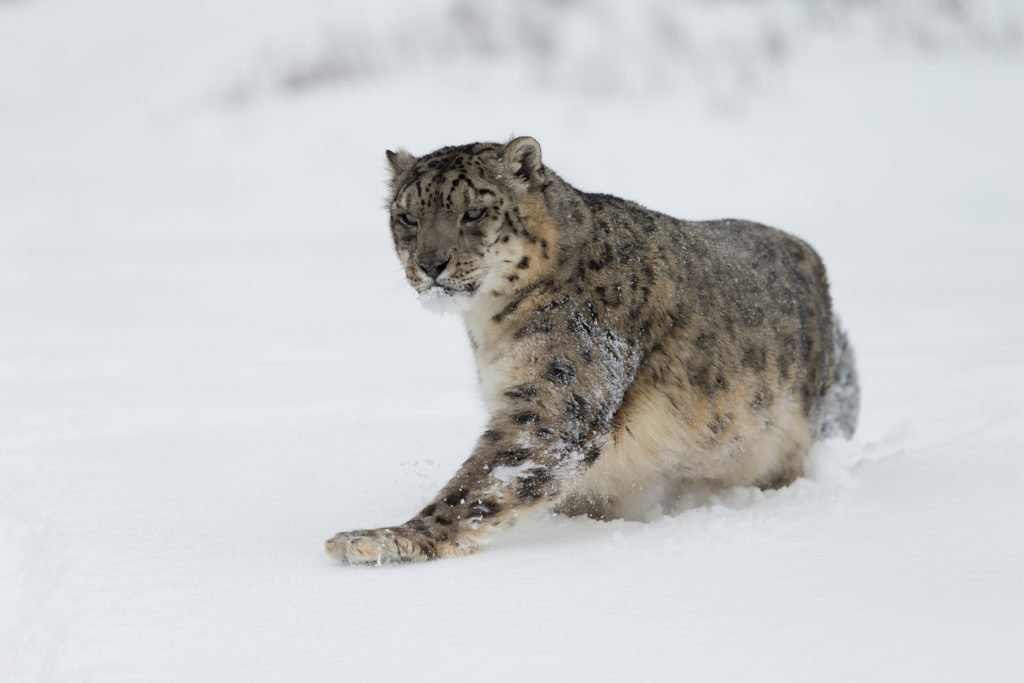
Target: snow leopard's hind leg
840, 406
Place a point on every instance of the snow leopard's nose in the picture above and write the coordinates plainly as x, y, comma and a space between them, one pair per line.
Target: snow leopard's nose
432, 264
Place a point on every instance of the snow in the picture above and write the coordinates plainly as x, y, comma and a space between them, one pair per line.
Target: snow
210, 361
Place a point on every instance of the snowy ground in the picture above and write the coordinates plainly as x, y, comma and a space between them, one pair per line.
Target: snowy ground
204, 370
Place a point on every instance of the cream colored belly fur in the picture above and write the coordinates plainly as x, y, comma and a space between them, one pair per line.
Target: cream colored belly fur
657, 454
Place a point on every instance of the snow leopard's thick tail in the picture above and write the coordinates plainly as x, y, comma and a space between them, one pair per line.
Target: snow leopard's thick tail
841, 404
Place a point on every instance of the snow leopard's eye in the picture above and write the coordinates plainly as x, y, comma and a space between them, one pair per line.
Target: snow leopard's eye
408, 219
473, 215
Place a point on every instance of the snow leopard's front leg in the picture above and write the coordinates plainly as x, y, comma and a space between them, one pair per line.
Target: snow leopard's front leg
550, 427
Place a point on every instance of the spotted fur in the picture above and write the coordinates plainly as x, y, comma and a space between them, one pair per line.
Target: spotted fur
622, 353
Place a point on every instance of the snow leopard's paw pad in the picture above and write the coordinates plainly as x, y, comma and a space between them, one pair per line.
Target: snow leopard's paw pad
381, 546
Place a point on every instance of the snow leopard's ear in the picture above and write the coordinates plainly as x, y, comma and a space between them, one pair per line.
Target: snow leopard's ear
523, 158
400, 162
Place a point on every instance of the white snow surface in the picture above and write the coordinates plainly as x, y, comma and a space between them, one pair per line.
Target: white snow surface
210, 361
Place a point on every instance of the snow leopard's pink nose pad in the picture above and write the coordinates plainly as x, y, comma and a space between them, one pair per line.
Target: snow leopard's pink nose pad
432, 264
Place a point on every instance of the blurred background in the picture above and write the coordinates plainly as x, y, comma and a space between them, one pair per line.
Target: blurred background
210, 361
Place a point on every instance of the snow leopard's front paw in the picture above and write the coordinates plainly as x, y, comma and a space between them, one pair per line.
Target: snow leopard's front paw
381, 546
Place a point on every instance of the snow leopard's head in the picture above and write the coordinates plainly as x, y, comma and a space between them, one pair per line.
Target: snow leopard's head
469, 220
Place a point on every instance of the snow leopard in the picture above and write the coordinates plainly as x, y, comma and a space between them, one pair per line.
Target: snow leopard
622, 354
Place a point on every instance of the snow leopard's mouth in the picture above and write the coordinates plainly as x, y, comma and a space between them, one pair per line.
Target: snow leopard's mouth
438, 289
446, 289
444, 299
